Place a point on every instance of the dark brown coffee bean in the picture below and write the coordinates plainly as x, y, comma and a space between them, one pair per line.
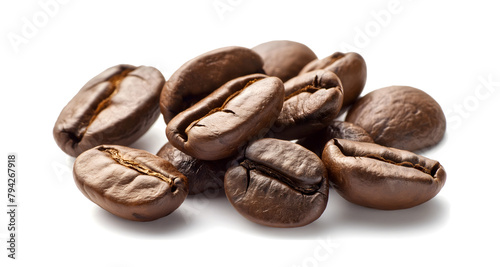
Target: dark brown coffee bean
337, 129
351, 69
203, 176
379, 177
116, 107
130, 183
203, 74
400, 116
278, 183
218, 125
284, 59
312, 101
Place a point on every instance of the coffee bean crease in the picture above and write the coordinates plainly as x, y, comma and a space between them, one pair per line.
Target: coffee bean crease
253, 166
430, 171
114, 82
222, 108
403, 163
307, 89
116, 156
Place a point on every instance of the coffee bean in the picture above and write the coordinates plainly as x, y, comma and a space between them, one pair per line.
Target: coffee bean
379, 177
312, 100
351, 69
278, 183
130, 183
218, 125
203, 176
203, 74
284, 59
400, 116
116, 107
336, 129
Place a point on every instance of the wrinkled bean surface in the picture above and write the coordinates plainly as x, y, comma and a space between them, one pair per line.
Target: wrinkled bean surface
400, 116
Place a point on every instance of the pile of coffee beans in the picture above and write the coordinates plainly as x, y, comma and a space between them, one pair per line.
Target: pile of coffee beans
260, 124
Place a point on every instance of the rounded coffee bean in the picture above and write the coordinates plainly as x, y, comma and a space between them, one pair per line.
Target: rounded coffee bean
219, 124
312, 100
284, 59
203, 176
203, 74
336, 129
379, 177
400, 116
278, 183
351, 69
130, 183
116, 107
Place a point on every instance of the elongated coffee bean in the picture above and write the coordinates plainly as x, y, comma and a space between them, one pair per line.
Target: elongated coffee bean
130, 183
116, 107
400, 116
351, 69
278, 183
312, 101
379, 177
218, 125
203, 74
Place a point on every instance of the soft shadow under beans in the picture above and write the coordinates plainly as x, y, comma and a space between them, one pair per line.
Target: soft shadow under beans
425, 216
171, 225
342, 216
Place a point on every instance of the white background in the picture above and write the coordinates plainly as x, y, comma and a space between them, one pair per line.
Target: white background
448, 49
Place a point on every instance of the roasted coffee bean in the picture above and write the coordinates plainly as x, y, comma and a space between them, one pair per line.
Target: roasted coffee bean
379, 177
312, 101
400, 116
284, 59
218, 125
203, 176
337, 129
278, 183
116, 107
201, 75
130, 183
351, 69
